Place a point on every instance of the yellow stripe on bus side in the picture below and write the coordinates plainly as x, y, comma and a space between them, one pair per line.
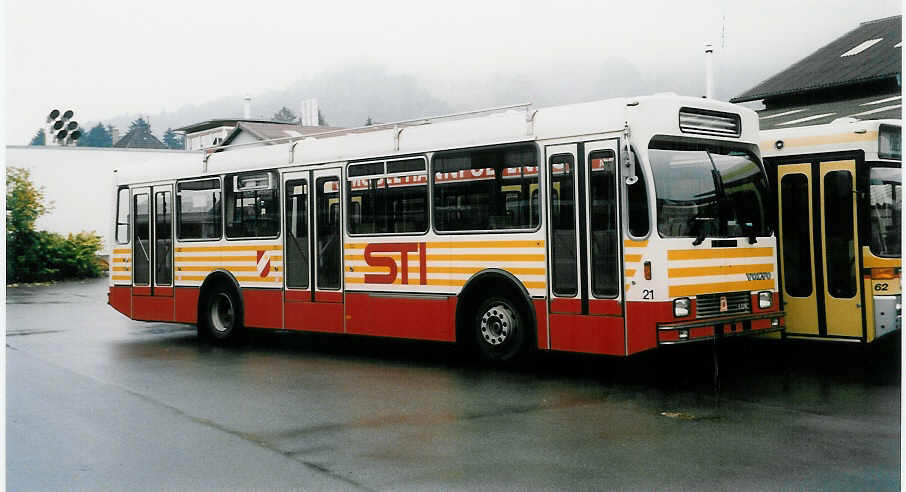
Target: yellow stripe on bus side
122, 251
463, 257
122, 277
122, 260
710, 254
824, 140
120, 269
630, 272
486, 244
265, 247
216, 259
467, 244
718, 270
629, 243
450, 282
430, 269
713, 288
203, 268
632, 258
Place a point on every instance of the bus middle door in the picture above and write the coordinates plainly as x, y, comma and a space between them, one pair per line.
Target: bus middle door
313, 251
152, 253
586, 309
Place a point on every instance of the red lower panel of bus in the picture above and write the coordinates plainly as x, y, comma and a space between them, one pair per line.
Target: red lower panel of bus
120, 298
589, 334
152, 308
186, 309
541, 319
314, 316
402, 317
641, 323
263, 308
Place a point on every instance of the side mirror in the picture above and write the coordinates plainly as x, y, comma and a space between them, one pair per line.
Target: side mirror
627, 158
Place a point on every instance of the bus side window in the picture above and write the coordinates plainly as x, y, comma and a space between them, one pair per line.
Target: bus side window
490, 186
122, 216
252, 205
637, 201
198, 209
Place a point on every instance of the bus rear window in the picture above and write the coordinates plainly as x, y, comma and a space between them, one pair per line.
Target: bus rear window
122, 216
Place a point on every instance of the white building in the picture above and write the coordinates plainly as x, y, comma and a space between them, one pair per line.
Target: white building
79, 181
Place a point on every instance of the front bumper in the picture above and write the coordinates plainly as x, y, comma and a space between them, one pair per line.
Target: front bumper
673, 333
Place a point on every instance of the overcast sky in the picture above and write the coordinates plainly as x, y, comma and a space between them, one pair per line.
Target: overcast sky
103, 58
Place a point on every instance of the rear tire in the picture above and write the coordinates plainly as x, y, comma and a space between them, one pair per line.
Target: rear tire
221, 316
501, 331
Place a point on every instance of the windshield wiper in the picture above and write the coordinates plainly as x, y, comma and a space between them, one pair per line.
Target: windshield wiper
749, 229
700, 226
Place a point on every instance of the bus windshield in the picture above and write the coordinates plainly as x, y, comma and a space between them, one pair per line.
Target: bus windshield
704, 193
885, 208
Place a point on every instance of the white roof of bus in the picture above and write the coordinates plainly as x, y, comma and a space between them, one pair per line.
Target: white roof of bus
647, 115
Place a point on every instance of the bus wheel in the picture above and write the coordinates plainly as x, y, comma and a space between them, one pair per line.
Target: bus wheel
500, 330
222, 315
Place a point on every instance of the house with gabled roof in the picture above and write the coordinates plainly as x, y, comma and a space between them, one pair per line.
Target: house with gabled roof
857, 75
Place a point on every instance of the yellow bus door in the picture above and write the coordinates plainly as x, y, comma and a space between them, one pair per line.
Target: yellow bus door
839, 223
818, 248
797, 256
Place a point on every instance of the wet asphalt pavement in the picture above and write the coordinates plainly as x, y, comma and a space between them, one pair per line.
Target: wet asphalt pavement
96, 401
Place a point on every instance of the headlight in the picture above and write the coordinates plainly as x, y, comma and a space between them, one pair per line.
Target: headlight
681, 307
765, 299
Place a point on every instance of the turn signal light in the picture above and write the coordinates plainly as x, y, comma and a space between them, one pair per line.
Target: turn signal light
884, 273
647, 266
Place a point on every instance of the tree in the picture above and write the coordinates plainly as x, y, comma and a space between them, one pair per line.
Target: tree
172, 140
24, 204
285, 115
38, 139
98, 136
41, 255
368, 122
141, 125
321, 120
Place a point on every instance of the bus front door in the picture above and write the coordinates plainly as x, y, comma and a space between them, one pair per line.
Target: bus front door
313, 251
819, 249
152, 251
585, 296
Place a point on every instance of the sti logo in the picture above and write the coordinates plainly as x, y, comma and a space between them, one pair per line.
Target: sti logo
373, 258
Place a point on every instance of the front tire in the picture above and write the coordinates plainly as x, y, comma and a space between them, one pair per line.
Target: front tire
222, 316
501, 330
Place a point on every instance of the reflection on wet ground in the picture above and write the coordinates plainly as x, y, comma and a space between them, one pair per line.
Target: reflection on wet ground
390, 414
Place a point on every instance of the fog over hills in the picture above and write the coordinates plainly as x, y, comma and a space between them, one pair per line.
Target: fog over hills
350, 94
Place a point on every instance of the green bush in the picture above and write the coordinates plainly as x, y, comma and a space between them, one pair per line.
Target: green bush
38, 256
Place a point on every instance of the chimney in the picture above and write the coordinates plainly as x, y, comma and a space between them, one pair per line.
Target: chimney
709, 71
247, 107
309, 114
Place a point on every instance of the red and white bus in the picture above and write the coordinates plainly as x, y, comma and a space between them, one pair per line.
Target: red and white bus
608, 227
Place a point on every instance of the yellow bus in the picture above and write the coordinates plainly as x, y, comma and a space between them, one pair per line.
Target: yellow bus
839, 199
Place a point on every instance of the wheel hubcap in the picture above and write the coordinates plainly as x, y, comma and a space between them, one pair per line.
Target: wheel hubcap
497, 323
222, 312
